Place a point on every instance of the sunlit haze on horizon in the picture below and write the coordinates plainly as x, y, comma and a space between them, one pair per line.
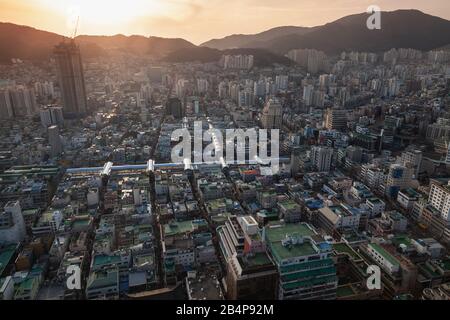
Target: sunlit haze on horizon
194, 20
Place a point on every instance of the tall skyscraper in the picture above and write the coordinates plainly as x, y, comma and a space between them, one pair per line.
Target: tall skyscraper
272, 115
71, 78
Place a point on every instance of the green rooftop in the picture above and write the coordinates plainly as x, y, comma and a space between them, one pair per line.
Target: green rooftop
401, 239
30, 212
345, 248
101, 279
259, 259
277, 232
275, 235
385, 254
81, 222
27, 287
178, 227
290, 204
101, 260
445, 264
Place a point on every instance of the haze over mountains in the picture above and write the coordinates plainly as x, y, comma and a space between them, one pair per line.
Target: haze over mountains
28, 43
399, 29
255, 40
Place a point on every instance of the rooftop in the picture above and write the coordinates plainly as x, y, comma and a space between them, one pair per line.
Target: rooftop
100, 279
256, 260
181, 227
386, 255
204, 287
345, 248
101, 260
275, 236
344, 291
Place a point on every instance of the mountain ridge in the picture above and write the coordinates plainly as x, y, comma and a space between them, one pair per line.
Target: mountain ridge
28, 43
246, 39
400, 28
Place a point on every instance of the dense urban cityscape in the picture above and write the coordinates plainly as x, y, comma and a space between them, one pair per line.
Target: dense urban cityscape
87, 181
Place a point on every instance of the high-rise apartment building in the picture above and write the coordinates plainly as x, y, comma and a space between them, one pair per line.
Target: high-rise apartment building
54, 139
398, 178
336, 119
281, 82
6, 109
71, 78
311, 59
22, 101
174, 108
321, 158
272, 115
51, 115
251, 274
413, 157
12, 224
440, 197
202, 85
308, 95
237, 61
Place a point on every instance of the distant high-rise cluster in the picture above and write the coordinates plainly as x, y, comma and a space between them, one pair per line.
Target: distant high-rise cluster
182, 88
202, 86
51, 115
71, 78
402, 54
174, 108
237, 61
359, 57
17, 101
311, 59
44, 89
312, 97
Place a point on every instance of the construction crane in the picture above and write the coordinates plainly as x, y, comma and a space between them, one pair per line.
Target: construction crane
76, 27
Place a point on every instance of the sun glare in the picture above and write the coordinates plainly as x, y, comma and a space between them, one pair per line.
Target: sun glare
106, 12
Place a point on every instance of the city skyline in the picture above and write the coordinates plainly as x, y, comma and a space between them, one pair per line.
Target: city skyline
297, 164
196, 21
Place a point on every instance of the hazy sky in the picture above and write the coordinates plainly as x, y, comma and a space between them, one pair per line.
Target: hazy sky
194, 20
